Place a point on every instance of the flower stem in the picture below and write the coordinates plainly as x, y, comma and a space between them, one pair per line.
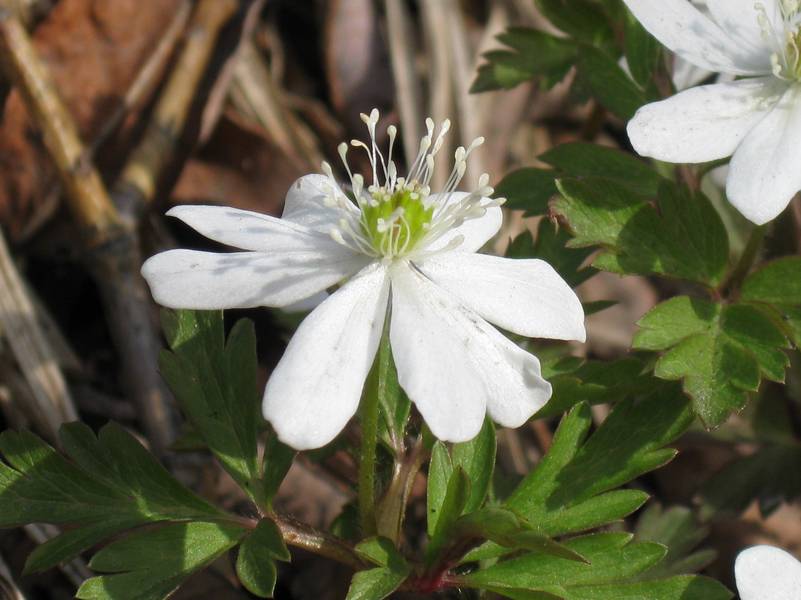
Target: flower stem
301, 535
747, 258
367, 460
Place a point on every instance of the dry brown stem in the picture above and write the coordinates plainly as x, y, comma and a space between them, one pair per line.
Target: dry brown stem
112, 252
138, 183
20, 325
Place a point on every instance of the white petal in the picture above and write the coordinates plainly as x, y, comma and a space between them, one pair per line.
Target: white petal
703, 123
765, 172
250, 230
454, 365
527, 297
740, 21
305, 204
476, 232
767, 573
696, 38
316, 387
307, 304
212, 280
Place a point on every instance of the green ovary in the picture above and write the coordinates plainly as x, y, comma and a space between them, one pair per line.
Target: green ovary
407, 214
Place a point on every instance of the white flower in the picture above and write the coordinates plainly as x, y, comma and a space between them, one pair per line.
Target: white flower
394, 243
767, 573
755, 119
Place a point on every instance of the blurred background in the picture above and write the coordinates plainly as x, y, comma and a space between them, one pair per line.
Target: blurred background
138, 105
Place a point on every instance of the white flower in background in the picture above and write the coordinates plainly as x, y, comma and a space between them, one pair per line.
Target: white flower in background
392, 243
767, 573
756, 119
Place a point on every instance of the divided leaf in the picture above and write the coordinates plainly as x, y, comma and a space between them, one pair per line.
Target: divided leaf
255, 565
392, 571
150, 565
612, 561
681, 236
113, 485
532, 54
530, 189
679, 530
573, 488
215, 382
720, 352
608, 82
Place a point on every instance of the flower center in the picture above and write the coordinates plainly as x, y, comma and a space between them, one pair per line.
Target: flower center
395, 222
784, 37
401, 216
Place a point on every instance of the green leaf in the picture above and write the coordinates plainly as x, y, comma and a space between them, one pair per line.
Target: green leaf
629, 443
255, 565
278, 459
477, 459
507, 529
770, 475
113, 485
150, 565
440, 470
533, 54
573, 488
777, 282
395, 406
457, 494
611, 559
682, 236
375, 584
720, 352
551, 246
596, 382
678, 529
581, 19
528, 189
582, 159
382, 552
643, 51
689, 587
609, 83
215, 382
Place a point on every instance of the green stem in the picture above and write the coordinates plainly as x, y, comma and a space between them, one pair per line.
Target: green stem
747, 258
371, 399
368, 461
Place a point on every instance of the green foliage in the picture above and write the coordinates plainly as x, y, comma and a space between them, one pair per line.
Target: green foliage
681, 236
770, 476
112, 485
150, 565
583, 20
551, 246
612, 561
255, 565
721, 352
215, 382
395, 406
573, 488
776, 288
532, 55
676, 528
642, 51
594, 382
477, 459
530, 189
378, 583
608, 82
